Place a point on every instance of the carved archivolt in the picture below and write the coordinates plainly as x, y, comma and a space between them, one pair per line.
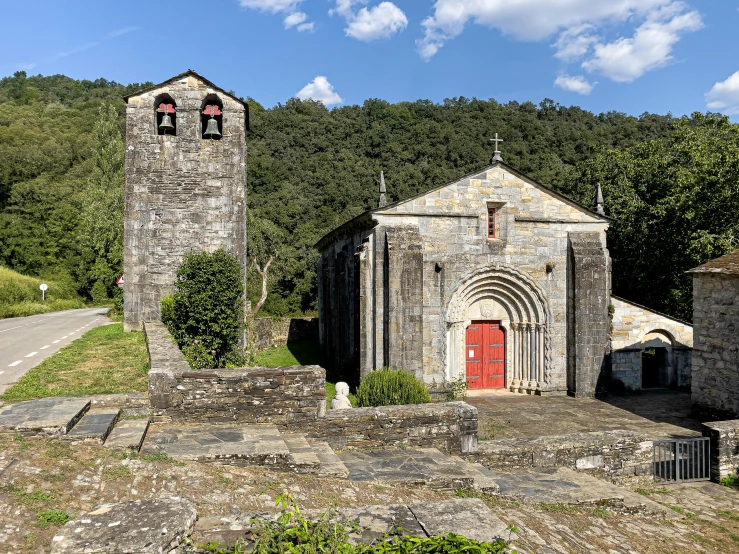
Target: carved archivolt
525, 302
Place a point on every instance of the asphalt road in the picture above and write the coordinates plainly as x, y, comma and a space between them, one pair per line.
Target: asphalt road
27, 341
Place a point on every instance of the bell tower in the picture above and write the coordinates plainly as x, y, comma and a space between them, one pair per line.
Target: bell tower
185, 185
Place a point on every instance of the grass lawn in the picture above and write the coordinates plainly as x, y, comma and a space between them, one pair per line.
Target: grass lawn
299, 353
105, 360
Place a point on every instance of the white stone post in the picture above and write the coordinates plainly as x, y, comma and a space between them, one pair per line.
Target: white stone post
532, 356
515, 369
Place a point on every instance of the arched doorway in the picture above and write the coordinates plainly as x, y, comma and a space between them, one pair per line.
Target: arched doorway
657, 368
510, 307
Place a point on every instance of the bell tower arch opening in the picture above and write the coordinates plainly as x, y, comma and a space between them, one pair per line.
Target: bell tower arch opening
211, 118
516, 309
165, 111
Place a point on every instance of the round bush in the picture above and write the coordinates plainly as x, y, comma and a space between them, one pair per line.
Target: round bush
391, 387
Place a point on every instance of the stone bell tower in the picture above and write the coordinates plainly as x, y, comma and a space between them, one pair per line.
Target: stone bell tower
185, 185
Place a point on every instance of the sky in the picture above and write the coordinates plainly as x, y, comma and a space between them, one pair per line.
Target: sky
631, 56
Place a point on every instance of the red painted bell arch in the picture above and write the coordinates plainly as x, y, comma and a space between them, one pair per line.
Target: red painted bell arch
485, 355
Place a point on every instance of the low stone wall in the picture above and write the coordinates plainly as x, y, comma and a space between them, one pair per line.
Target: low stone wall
724, 437
448, 426
280, 396
618, 452
270, 332
166, 364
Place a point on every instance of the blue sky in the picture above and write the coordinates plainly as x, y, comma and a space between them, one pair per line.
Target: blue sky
625, 55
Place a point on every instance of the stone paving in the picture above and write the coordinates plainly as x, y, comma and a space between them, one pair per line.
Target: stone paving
659, 414
48, 415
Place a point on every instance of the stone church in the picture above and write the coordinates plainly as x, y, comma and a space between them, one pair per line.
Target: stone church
492, 279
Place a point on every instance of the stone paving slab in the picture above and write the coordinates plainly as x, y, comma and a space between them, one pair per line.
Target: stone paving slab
143, 526
229, 444
331, 465
53, 416
423, 466
95, 425
128, 434
569, 487
469, 517
302, 457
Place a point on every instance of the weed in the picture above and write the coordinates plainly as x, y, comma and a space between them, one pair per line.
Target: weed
52, 517
269, 485
600, 512
557, 508
116, 472
22, 442
733, 516
58, 450
649, 492
730, 481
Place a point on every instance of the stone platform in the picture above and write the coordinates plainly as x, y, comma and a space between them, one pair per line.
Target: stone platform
51, 416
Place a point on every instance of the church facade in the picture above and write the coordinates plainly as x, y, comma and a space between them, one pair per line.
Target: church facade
492, 279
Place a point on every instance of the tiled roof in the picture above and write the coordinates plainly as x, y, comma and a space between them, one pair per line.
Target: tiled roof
727, 265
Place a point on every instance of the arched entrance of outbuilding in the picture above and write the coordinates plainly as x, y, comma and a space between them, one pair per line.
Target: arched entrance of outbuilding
508, 300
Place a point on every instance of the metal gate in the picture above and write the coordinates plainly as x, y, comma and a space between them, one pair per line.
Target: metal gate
682, 460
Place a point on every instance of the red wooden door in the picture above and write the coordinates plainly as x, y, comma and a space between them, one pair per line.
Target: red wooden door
485, 355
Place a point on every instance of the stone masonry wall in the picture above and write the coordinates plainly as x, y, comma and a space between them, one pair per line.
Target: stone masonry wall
724, 437
450, 427
589, 313
279, 395
270, 332
715, 386
183, 193
616, 453
634, 328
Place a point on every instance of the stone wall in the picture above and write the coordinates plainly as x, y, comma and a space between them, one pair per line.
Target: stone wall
281, 396
183, 193
715, 386
270, 332
616, 453
449, 426
724, 437
588, 313
635, 328
438, 243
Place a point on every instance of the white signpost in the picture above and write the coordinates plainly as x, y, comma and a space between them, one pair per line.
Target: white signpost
43, 287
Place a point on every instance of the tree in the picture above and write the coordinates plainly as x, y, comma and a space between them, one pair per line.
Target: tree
101, 226
265, 241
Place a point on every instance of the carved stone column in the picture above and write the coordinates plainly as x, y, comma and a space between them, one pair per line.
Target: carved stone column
531, 339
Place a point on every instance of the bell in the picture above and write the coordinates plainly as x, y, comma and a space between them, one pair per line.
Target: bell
212, 129
166, 124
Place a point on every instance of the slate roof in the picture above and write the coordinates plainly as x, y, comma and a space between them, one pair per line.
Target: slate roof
364, 216
726, 265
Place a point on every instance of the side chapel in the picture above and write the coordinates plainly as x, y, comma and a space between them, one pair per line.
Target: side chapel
493, 279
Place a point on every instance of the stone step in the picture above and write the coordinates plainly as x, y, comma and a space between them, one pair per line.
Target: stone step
242, 445
302, 457
95, 425
331, 465
128, 434
50, 416
423, 466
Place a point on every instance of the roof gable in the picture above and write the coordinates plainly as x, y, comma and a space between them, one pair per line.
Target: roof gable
188, 73
726, 265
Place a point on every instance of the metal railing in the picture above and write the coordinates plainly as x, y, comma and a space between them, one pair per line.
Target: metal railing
682, 460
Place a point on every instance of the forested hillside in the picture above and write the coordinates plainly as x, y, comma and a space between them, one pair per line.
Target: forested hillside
671, 184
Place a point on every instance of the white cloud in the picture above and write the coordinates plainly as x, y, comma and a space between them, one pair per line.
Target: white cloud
577, 26
627, 59
295, 18
320, 89
367, 24
724, 96
578, 84
121, 32
382, 21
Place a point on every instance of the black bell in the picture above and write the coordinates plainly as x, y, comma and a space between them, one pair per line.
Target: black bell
166, 124
212, 129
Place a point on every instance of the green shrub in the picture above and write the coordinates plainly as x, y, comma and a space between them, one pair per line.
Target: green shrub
292, 532
391, 387
52, 517
205, 313
99, 293
20, 295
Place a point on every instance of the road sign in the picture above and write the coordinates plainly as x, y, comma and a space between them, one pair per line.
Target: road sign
43, 287
119, 282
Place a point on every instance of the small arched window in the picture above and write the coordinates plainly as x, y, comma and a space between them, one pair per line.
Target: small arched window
211, 118
166, 115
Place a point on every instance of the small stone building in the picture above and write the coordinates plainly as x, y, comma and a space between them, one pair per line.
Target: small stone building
715, 387
493, 279
185, 185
